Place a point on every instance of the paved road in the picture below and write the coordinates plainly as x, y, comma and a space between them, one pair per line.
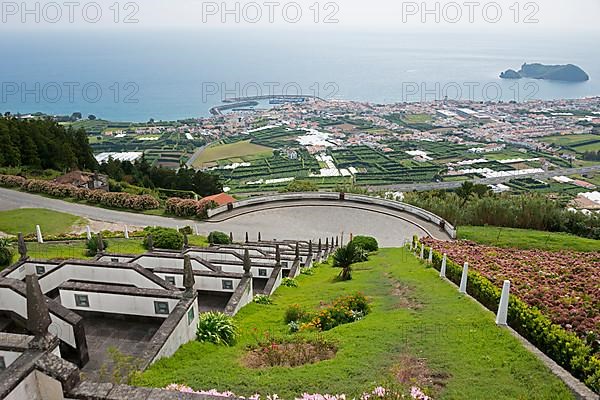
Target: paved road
301, 220
488, 181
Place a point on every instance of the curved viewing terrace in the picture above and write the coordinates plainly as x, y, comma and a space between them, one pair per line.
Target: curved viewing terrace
392, 222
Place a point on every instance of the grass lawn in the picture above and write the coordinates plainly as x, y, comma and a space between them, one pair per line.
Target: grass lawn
232, 150
77, 249
415, 316
25, 219
526, 239
417, 118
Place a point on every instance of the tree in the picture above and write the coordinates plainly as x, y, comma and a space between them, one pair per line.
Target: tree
468, 189
92, 117
43, 143
76, 116
301, 186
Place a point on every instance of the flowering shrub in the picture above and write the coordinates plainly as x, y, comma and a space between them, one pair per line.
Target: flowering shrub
188, 207
343, 310
378, 393
295, 313
307, 271
287, 351
117, 200
564, 347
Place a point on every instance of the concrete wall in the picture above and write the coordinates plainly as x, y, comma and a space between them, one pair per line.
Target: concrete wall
121, 259
242, 296
116, 303
183, 333
28, 268
158, 262
359, 199
203, 282
95, 273
37, 386
211, 255
13, 301
9, 356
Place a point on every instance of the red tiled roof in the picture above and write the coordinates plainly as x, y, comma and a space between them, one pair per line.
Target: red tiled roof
221, 199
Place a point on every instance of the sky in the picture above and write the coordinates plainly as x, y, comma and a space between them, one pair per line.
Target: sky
509, 16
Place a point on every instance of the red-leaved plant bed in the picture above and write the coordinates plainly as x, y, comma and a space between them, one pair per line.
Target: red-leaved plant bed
564, 285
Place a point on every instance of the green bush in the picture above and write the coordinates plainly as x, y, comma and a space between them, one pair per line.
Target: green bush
367, 243
216, 327
289, 282
262, 299
92, 245
295, 313
526, 211
568, 350
164, 238
186, 230
217, 237
5, 253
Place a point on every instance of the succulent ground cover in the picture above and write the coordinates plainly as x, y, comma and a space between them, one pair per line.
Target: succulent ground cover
564, 285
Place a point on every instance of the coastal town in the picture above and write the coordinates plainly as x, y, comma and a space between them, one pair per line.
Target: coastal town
379, 146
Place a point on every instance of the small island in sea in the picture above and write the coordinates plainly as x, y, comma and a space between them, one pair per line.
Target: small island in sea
565, 73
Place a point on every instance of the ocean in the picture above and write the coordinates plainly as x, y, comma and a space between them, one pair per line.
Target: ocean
135, 76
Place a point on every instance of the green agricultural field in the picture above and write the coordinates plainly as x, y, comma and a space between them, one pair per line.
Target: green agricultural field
588, 147
526, 239
233, 150
569, 140
25, 219
419, 331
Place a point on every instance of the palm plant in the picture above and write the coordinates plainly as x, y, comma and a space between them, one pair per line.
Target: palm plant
347, 255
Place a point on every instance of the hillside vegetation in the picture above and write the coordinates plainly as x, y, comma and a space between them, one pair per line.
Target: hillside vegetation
43, 144
526, 238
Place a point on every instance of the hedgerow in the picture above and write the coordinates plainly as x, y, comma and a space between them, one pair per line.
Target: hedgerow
109, 199
188, 207
566, 348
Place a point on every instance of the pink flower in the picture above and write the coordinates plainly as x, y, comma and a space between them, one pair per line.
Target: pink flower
379, 391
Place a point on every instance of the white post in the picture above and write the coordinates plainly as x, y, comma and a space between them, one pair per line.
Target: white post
126, 232
422, 252
196, 229
463, 279
88, 232
503, 307
410, 245
430, 259
443, 267
38, 232
177, 227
